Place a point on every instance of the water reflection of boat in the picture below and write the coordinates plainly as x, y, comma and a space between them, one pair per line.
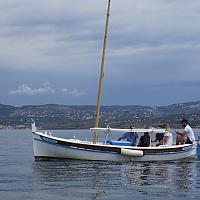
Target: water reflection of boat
108, 180
185, 173
146, 174
48, 146
166, 180
72, 179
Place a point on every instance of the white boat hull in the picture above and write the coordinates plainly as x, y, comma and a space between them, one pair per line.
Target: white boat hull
46, 147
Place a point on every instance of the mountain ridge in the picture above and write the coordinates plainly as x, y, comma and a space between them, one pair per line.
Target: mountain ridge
58, 116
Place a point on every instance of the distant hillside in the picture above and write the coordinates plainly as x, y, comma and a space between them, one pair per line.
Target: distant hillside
54, 116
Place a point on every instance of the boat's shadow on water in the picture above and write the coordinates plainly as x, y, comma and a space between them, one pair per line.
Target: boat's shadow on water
96, 180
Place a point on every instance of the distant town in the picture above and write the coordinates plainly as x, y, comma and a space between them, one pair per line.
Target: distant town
53, 116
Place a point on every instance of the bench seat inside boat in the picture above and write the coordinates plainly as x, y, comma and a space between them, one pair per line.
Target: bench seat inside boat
118, 143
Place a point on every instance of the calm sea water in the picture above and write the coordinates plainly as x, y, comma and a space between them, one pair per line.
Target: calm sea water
23, 178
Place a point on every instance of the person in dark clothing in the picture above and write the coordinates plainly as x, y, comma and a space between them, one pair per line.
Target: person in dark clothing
144, 140
159, 137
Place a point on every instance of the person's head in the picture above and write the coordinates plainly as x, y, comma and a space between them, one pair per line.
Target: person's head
166, 127
184, 122
146, 133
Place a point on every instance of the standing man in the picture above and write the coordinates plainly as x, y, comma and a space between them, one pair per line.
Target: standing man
187, 136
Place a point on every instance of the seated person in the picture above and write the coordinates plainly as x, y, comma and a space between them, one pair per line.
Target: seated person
144, 140
159, 137
131, 137
167, 139
187, 136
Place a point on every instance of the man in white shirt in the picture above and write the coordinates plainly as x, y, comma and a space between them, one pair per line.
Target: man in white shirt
187, 136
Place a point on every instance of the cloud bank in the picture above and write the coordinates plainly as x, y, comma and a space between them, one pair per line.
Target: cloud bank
151, 44
46, 89
27, 90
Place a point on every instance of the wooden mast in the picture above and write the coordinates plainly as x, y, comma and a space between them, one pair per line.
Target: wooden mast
101, 73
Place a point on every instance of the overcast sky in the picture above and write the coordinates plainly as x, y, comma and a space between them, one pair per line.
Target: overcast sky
51, 52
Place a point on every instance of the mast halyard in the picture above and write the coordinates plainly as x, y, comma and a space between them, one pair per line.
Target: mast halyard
101, 74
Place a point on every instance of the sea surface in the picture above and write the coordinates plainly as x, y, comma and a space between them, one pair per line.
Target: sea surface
21, 178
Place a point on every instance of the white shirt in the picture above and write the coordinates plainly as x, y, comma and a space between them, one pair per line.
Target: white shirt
190, 133
168, 137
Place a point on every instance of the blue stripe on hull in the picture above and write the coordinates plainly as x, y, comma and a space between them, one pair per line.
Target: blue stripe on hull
75, 148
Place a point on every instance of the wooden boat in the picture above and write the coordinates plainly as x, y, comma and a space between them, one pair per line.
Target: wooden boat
47, 146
